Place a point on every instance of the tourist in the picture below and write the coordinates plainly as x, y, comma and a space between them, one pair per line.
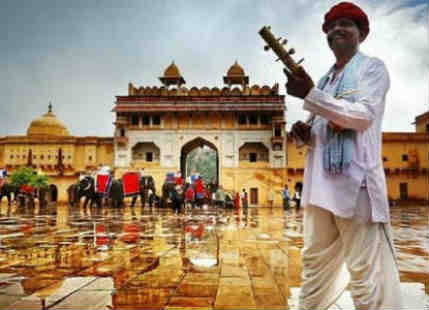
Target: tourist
297, 199
220, 196
346, 212
237, 200
286, 197
189, 196
270, 197
244, 200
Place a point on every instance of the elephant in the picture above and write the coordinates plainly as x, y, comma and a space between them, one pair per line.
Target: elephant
7, 190
167, 190
116, 194
174, 194
146, 182
84, 188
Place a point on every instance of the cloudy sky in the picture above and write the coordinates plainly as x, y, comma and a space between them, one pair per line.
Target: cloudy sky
81, 54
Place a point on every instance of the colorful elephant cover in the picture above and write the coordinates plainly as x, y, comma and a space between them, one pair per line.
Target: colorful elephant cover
104, 181
130, 183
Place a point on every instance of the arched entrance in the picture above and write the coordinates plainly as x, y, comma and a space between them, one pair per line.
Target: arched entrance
198, 148
53, 190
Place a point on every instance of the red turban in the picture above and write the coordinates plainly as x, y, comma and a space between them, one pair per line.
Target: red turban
347, 10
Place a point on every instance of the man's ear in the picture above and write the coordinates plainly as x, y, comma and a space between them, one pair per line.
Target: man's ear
361, 36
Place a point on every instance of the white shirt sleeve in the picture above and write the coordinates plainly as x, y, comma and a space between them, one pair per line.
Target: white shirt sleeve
359, 115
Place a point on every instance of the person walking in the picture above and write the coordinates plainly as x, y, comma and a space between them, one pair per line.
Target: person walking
286, 197
297, 199
237, 201
189, 196
347, 231
244, 201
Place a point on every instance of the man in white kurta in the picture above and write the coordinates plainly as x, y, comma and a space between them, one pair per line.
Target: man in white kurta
347, 233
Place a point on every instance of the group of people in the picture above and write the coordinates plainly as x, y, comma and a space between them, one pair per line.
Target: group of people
286, 196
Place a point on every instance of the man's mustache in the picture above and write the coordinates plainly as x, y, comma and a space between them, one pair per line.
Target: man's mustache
334, 34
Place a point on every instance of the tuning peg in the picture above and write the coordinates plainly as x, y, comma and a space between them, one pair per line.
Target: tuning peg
291, 51
279, 38
284, 41
300, 61
266, 48
277, 59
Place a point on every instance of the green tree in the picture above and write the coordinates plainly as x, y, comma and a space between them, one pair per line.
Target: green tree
39, 181
29, 176
22, 176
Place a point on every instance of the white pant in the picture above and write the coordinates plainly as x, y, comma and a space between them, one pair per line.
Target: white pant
337, 250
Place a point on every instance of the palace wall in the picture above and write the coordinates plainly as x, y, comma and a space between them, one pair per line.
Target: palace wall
405, 160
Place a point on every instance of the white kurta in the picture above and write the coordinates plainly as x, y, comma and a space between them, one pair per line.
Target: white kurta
338, 194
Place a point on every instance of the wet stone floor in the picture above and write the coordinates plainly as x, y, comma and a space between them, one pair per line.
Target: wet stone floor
75, 258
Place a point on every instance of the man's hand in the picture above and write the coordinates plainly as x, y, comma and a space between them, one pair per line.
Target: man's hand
335, 127
302, 131
298, 84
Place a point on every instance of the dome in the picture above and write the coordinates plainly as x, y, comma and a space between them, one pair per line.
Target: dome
172, 71
47, 125
235, 70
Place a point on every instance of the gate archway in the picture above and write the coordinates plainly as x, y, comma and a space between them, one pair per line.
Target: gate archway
191, 146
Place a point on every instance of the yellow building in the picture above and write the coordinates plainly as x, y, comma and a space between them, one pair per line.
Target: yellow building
49, 147
405, 160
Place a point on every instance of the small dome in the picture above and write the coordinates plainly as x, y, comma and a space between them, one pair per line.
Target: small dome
235, 70
47, 125
172, 71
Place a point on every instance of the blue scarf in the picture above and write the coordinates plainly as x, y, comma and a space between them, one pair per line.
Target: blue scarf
338, 152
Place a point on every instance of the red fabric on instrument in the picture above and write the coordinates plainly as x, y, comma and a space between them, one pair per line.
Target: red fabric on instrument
130, 183
347, 10
103, 183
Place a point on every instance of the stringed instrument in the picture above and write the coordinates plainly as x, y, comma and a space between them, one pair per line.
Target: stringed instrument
276, 44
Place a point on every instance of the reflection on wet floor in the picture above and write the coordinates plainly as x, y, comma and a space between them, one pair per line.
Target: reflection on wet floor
61, 258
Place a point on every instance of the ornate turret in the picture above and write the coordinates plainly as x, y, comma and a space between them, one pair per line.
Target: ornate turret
172, 76
236, 75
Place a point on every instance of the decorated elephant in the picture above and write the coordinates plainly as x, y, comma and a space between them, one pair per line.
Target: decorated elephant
145, 183
84, 188
116, 194
167, 190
